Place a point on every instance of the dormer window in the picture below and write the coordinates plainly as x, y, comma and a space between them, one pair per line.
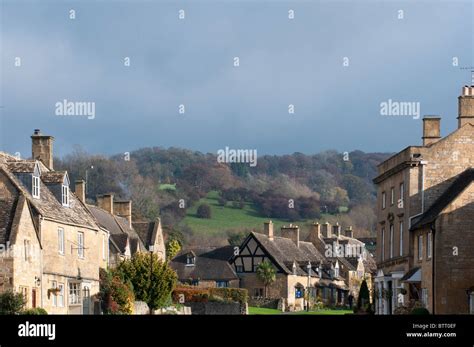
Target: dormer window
294, 268
336, 269
65, 191
65, 195
190, 259
36, 182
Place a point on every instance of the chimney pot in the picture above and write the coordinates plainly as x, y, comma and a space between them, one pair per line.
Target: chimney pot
124, 209
466, 106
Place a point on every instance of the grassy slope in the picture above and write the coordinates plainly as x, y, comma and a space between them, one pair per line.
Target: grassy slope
228, 217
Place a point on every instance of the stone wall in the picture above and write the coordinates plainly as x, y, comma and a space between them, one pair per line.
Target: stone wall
216, 308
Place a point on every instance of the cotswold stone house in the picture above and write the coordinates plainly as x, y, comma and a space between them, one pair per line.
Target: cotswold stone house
52, 246
425, 211
206, 267
126, 237
316, 266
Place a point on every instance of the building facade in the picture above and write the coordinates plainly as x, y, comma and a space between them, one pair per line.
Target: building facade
424, 209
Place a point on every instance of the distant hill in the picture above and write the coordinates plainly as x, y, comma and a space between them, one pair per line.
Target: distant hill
173, 182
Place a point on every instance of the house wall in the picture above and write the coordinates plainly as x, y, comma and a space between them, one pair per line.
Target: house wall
68, 267
454, 242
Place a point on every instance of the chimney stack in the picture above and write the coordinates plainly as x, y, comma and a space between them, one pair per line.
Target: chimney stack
42, 148
291, 232
124, 209
326, 230
106, 202
268, 229
315, 230
431, 129
81, 190
336, 230
466, 106
349, 232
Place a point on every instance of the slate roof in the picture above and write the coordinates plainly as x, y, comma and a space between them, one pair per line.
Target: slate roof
144, 231
119, 229
456, 188
210, 264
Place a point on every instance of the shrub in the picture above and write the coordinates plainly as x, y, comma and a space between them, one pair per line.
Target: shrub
11, 303
363, 300
230, 294
222, 201
117, 297
204, 211
190, 294
34, 311
420, 311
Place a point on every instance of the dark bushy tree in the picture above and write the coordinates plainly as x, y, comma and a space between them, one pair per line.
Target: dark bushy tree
204, 211
11, 303
363, 300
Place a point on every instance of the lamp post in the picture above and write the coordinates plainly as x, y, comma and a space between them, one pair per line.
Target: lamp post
151, 249
308, 268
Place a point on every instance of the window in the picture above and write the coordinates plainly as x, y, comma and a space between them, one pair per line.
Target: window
402, 194
391, 240
61, 240
420, 247
65, 195
428, 245
258, 292
54, 296
35, 190
401, 238
392, 196
336, 270
26, 246
424, 296
383, 243
80, 244
384, 200
222, 284
60, 295
190, 259
74, 293
239, 268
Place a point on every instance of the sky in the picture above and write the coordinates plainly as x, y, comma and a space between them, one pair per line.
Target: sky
335, 61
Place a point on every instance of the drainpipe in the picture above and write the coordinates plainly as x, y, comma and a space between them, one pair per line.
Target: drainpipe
433, 229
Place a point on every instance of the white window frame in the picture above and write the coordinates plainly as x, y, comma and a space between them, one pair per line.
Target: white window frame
60, 301
420, 247
54, 295
26, 250
401, 238
35, 187
383, 243
74, 293
392, 196
424, 296
80, 245
384, 200
429, 244
61, 241
391, 228
65, 195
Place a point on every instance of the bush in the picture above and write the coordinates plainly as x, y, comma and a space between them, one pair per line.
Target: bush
11, 303
420, 311
117, 297
34, 311
190, 294
204, 211
230, 294
363, 300
222, 201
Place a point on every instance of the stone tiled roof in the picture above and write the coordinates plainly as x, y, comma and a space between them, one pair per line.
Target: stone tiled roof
144, 231
210, 264
53, 176
117, 225
456, 188
48, 205
7, 214
284, 252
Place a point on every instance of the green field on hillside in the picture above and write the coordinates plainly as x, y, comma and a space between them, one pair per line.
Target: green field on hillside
228, 218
